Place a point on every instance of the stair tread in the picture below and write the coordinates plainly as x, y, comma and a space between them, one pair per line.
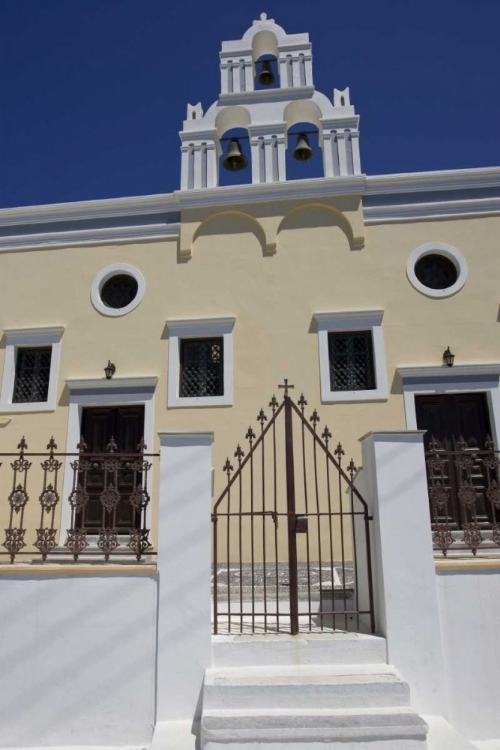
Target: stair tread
302, 674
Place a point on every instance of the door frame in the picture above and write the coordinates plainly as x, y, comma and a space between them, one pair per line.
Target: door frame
483, 378
100, 392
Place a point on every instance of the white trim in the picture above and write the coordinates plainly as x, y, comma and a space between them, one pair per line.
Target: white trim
412, 182
102, 384
118, 392
103, 235
195, 328
319, 187
484, 378
436, 210
356, 320
431, 372
107, 273
84, 210
17, 338
447, 251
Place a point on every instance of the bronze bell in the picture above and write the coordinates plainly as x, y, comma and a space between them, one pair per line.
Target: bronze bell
266, 75
302, 150
234, 160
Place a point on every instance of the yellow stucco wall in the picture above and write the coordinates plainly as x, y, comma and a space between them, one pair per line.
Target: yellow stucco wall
273, 296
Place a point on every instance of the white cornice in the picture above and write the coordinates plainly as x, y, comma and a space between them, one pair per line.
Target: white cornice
436, 210
431, 372
452, 179
55, 331
93, 384
348, 318
81, 210
108, 235
200, 326
264, 95
321, 187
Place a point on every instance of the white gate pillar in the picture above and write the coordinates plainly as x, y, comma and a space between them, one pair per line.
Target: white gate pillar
184, 565
406, 602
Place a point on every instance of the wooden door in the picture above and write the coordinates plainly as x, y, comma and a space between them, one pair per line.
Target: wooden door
450, 418
125, 424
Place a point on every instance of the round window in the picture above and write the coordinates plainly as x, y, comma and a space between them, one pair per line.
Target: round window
436, 272
119, 291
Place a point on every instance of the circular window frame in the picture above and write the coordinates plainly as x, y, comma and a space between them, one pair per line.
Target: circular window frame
447, 251
117, 269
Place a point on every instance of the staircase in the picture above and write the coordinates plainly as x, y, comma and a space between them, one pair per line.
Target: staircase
302, 691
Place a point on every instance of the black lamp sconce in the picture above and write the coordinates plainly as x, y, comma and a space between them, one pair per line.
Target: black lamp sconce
448, 357
109, 370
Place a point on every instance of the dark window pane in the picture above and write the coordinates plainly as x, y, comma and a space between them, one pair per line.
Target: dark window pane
351, 361
436, 272
202, 371
119, 291
32, 374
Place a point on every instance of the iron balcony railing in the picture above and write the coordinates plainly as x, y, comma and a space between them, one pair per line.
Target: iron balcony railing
108, 503
464, 496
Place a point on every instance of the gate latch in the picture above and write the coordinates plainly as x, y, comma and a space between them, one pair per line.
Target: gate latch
301, 524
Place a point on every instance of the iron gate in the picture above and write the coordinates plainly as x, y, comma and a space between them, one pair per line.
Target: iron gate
291, 532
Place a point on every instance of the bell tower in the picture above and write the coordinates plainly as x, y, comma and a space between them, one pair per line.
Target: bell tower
249, 67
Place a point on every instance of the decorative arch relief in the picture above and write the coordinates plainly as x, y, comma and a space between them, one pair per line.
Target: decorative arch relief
267, 229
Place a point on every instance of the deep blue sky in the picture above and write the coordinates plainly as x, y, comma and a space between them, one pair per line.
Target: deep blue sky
93, 92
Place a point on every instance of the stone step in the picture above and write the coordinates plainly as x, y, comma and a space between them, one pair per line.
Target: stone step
294, 650
367, 729
330, 686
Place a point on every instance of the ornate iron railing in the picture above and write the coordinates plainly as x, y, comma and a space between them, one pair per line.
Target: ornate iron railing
108, 501
291, 532
464, 496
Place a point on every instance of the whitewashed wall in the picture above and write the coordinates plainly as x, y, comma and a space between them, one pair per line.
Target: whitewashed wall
469, 605
77, 659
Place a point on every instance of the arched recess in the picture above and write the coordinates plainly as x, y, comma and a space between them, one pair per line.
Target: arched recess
320, 214
233, 122
264, 43
232, 222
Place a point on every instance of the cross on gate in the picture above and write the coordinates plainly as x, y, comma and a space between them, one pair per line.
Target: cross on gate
286, 386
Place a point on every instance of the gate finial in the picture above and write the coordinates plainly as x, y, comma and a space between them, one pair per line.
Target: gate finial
286, 386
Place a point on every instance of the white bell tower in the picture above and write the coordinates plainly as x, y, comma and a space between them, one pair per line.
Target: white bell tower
268, 114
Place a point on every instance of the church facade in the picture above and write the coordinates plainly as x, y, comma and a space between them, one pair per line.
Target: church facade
148, 325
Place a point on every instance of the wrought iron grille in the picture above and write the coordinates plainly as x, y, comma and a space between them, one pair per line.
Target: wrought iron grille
436, 272
40, 474
351, 361
32, 374
119, 291
202, 367
464, 496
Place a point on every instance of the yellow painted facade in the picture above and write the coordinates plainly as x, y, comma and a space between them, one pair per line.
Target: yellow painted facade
273, 297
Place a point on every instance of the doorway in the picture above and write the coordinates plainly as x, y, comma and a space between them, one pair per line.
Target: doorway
123, 428
458, 422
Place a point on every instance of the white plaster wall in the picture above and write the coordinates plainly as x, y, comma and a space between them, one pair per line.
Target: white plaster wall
469, 605
77, 659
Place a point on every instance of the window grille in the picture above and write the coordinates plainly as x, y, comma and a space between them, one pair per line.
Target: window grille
351, 361
32, 374
202, 370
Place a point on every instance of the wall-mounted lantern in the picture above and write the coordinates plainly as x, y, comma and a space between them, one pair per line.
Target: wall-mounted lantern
109, 370
448, 357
